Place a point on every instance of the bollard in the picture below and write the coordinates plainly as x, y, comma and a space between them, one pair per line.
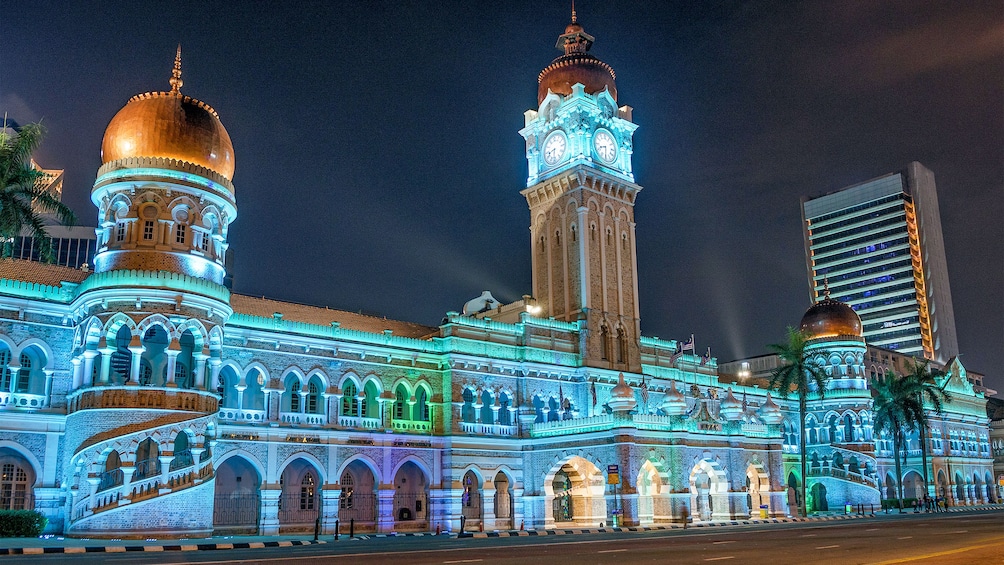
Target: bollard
336, 530
872, 505
317, 527
521, 525
352, 528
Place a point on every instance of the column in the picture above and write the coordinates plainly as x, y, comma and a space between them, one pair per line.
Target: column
330, 495
172, 363
385, 508
199, 378
78, 375
14, 371
48, 384
136, 348
269, 514
88, 368
488, 505
215, 365
106, 362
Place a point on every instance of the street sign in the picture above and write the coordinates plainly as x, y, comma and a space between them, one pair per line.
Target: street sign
613, 475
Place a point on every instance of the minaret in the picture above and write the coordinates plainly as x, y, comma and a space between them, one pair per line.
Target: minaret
581, 193
141, 418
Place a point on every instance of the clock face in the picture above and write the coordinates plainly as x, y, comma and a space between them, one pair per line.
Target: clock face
606, 147
554, 147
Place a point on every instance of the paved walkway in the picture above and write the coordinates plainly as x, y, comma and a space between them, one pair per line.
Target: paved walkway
59, 544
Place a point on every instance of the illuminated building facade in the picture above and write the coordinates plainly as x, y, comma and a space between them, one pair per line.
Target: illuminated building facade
145, 399
879, 246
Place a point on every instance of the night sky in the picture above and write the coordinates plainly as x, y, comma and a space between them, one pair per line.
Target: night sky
379, 164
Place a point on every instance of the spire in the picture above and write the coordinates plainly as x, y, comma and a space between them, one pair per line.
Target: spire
176, 82
573, 11
575, 39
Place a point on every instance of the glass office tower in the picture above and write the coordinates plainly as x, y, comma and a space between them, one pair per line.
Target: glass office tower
877, 245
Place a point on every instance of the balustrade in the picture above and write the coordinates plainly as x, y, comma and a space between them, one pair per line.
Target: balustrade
242, 416
487, 429
359, 422
302, 419
21, 400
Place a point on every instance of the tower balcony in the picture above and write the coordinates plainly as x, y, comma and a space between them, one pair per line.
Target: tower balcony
142, 397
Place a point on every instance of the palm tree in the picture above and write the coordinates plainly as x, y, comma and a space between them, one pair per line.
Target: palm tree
23, 198
897, 407
798, 373
925, 381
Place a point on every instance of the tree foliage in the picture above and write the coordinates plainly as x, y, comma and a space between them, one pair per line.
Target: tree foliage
23, 198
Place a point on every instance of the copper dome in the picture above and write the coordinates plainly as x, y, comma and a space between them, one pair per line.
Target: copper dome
575, 66
172, 126
830, 318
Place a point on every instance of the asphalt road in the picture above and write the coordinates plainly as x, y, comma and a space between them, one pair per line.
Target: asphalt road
942, 539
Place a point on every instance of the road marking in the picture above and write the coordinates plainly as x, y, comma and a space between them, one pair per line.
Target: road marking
465, 561
611, 551
720, 558
996, 542
871, 529
723, 542
906, 537
808, 535
960, 532
827, 546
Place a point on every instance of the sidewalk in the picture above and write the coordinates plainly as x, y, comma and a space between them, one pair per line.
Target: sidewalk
59, 544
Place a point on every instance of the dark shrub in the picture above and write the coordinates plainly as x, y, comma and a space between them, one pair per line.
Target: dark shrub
21, 523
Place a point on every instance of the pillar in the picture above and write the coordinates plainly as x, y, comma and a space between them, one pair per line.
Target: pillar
385, 508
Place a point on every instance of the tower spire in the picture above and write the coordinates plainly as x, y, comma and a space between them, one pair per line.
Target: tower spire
176, 82
573, 12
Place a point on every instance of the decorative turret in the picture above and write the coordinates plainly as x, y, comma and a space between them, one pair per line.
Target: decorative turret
770, 412
622, 397
730, 407
674, 403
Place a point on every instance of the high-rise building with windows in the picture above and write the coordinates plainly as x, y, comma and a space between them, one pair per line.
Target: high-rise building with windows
878, 246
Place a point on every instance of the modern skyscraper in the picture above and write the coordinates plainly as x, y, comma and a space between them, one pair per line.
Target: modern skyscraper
878, 246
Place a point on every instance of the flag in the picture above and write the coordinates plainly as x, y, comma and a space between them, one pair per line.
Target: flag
689, 344
561, 398
707, 357
593, 390
674, 357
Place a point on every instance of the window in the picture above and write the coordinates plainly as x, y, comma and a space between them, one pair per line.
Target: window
312, 398
345, 500
307, 492
5, 376
621, 345
179, 233
24, 375
148, 230
350, 406
13, 487
120, 231
399, 404
294, 397
181, 374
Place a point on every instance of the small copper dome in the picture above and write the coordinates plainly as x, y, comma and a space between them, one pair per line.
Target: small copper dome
575, 66
830, 318
172, 126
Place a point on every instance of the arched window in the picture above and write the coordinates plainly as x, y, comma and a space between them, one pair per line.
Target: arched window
621, 345
604, 343
181, 374
147, 460
421, 405
505, 418
24, 375
112, 475
350, 405
145, 373
307, 492
293, 390
553, 415
6, 375
347, 484
14, 487
538, 409
313, 398
400, 404
487, 414
467, 412
182, 453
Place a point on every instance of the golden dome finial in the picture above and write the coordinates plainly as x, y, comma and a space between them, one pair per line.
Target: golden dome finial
176, 82
573, 11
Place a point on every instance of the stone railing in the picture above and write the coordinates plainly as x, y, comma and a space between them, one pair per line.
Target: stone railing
487, 429
411, 426
575, 425
358, 422
302, 419
158, 398
21, 400
241, 415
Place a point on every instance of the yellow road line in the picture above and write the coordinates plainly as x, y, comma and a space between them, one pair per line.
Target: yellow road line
996, 541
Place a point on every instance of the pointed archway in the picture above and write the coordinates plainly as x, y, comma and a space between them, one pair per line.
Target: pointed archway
574, 492
709, 491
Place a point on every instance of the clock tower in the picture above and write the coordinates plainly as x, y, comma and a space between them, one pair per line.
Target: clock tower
581, 193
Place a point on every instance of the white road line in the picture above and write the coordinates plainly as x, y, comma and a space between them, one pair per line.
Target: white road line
611, 551
827, 546
871, 529
723, 542
465, 561
960, 532
720, 558
808, 535
906, 537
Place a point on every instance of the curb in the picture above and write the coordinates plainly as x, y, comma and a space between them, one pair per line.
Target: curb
153, 548
562, 532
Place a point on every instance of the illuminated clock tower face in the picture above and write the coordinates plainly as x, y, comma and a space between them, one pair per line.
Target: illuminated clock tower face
606, 147
554, 148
